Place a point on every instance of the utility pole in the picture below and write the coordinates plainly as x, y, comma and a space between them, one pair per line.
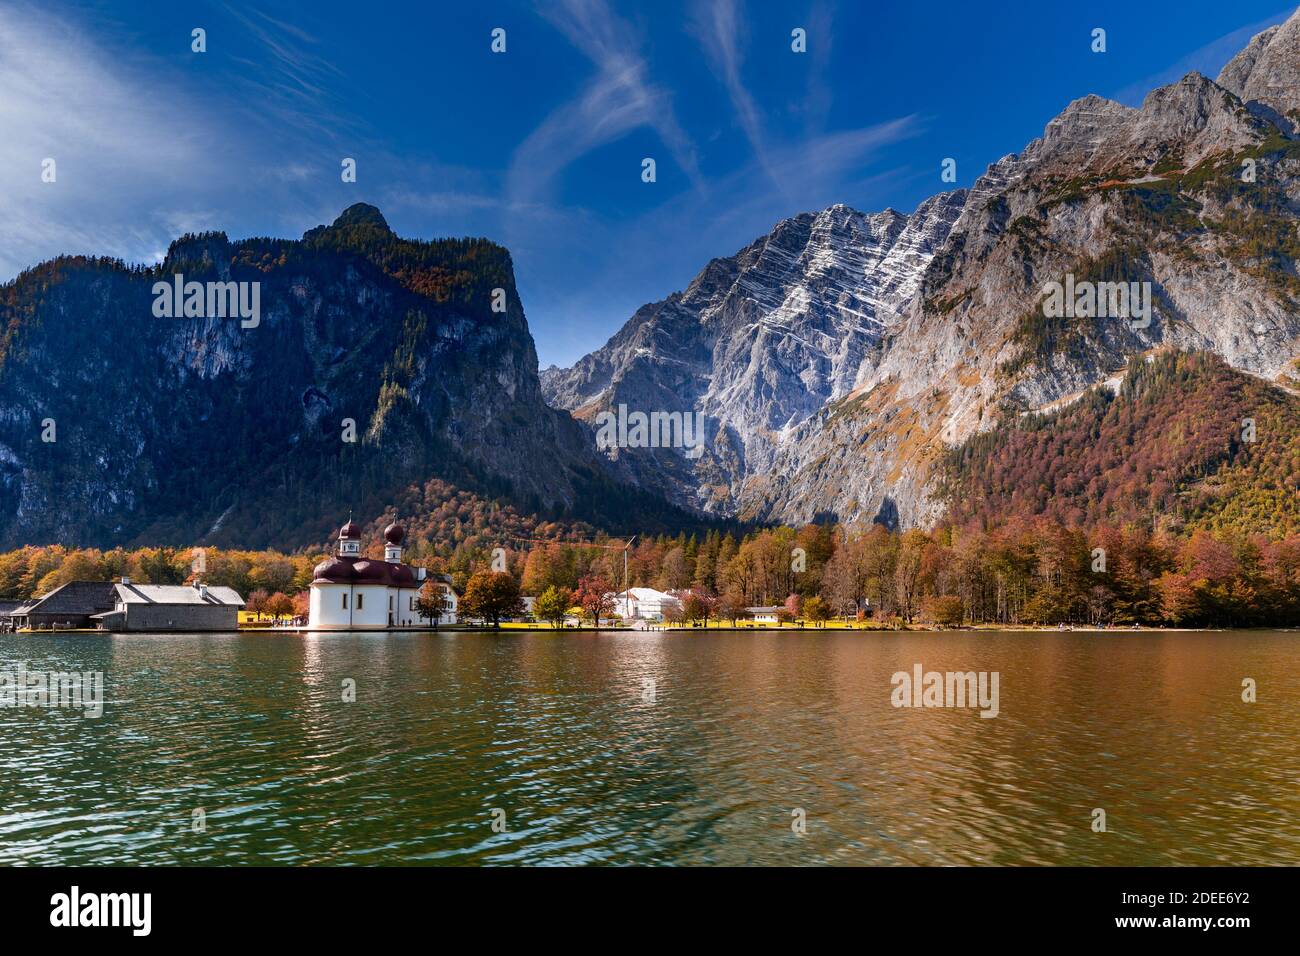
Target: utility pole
627, 597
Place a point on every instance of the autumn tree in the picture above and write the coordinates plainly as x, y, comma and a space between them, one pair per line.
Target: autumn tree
880, 552
432, 602
793, 606
271, 574
732, 607
490, 596
594, 598
255, 603
699, 606
907, 573
675, 573
279, 605
539, 569
815, 610
847, 574
942, 610
76, 566
553, 605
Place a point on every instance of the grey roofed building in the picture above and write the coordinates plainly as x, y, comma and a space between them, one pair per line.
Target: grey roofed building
172, 607
7, 608
72, 605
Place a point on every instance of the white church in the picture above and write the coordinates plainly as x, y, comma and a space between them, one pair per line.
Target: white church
352, 593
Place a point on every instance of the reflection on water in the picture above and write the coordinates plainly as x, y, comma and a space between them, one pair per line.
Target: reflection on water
559, 732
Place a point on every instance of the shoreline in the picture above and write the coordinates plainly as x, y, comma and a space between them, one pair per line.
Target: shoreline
760, 628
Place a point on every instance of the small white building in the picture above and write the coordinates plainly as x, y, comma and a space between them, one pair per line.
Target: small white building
765, 615
644, 603
352, 593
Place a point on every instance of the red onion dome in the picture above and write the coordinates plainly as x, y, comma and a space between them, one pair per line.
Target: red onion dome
333, 570
401, 576
350, 530
394, 533
366, 571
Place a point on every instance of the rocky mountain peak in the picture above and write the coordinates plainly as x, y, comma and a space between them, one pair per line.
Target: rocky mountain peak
361, 214
1267, 72
760, 341
360, 225
1196, 114
1192, 92
1236, 72
1083, 124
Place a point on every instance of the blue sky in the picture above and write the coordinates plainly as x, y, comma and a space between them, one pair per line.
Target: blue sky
540, 148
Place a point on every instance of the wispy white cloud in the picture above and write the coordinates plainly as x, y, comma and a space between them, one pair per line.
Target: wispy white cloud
719, 28
146, 150
618, 99
818, 170
289, 82
115, 145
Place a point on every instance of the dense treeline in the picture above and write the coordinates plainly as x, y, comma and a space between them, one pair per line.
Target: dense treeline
35, 571
1027, 571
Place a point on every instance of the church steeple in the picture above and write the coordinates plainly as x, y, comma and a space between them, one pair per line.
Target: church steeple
393, 536
349, 540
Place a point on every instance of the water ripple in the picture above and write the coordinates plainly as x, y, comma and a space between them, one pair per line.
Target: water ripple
241, 749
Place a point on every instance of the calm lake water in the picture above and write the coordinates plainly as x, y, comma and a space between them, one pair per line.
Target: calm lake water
743, 729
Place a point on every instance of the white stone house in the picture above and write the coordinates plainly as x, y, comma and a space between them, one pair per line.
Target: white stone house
647, 604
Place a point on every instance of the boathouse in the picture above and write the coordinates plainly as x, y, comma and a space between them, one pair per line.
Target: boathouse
69, 606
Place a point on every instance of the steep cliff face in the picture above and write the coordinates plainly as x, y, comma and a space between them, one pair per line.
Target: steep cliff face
375, 362
758, 343
1194, 194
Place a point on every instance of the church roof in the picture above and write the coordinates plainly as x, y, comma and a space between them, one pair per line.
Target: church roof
350, 570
